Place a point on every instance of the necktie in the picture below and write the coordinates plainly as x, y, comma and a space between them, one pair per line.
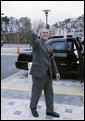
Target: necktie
49, 51
47, 48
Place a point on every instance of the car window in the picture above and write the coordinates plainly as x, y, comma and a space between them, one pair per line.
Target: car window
58, 47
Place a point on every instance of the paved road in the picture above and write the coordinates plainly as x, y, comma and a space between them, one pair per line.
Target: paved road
8, 58
8, 65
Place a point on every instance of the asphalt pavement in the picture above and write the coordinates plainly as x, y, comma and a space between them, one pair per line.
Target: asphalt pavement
9, 57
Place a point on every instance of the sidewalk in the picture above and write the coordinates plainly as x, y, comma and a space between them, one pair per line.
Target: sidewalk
15, 99
16, 109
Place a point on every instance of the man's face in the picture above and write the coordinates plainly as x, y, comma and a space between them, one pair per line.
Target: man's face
44, 35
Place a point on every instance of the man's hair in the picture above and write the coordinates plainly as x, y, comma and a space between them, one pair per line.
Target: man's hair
40, 31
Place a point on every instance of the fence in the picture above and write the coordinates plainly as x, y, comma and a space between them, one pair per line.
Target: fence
18, 37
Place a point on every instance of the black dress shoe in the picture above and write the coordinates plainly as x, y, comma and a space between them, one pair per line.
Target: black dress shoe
54, 114
34, 113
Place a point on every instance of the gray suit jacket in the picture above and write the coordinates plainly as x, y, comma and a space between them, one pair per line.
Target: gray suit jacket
40, 62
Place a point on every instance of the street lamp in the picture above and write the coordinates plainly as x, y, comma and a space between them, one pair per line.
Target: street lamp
46, 13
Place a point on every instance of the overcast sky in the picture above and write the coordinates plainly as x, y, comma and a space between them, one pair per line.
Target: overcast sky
60, 10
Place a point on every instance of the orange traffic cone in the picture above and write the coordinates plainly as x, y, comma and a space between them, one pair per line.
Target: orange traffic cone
17, 49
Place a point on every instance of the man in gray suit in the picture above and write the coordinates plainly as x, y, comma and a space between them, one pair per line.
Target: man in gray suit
43, 67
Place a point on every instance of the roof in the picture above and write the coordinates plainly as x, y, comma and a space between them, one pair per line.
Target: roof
56, 39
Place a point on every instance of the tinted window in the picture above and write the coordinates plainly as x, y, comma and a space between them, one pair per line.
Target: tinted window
58, 46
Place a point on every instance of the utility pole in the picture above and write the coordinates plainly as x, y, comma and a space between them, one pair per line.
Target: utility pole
46, 13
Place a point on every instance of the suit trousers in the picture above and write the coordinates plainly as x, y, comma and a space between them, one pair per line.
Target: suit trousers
40, 84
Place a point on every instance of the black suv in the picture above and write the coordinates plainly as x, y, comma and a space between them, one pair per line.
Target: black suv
68, 54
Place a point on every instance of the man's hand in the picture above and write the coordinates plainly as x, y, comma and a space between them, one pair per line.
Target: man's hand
39, 25
57, 76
